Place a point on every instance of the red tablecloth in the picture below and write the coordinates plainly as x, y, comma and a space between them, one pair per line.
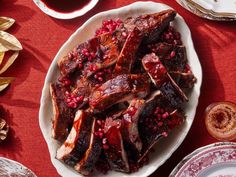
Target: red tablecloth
42, 36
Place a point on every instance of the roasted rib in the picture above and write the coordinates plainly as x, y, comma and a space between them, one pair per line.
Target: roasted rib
115, 153
86, 164
163, 80
78, 140
61, 113
129, 123
119, 89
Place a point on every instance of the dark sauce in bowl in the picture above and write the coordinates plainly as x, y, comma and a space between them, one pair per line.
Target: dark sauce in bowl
66, 6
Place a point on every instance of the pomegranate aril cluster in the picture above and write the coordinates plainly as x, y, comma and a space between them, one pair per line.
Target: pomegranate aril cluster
156, 49
171, 36
89, 55
72, 100
65, 81
100, 133
157, 123
109, 26
101, 74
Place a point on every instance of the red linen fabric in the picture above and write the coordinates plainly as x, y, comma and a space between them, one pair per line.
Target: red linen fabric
42, 36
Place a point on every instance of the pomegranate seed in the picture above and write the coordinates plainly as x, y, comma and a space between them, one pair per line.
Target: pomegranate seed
165, 134
74, 105
99, 122
80, 98
105, 146
68, 100
100, 79
104, 141
94, 68
80, 65
95, 76
70, 56
164, 116
160, 124
100, 134
172, 54
67, 82
100, 73
70, 104
124, 34
92, 54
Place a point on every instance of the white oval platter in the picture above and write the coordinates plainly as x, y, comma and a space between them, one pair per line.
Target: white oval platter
165, 147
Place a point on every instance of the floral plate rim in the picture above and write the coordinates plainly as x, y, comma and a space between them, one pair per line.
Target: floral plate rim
187, 161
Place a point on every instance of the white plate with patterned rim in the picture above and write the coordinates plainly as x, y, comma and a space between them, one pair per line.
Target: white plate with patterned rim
12, 168
220, 10
214, 160
65, 15
165, 147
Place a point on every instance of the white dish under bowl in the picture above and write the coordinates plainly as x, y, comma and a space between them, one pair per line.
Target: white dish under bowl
59, 15
218, 6
166, 146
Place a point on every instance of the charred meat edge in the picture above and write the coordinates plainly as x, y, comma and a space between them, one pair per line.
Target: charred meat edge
77, 141
158, 136
61, 113
116, 154
128, 53
129, 122
87, 163
97, 44
119, 89
151, 24
160, 77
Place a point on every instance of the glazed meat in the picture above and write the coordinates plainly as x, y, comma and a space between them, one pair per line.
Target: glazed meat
87, 163
120, 92
129, 122
151, 25
127, 55
158, 118
62, 114
97, 53
115, 153
174, 58
77, 142
186, 80
120, 89
163, 80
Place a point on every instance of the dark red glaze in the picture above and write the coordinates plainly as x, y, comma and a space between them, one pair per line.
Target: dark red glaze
66, 6
109, 79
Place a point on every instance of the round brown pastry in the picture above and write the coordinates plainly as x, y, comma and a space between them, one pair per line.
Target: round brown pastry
10, 168
220, 120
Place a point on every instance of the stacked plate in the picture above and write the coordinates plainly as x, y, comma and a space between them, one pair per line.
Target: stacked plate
219, 10
214, 160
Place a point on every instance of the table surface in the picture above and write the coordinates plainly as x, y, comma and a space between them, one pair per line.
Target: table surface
42, 36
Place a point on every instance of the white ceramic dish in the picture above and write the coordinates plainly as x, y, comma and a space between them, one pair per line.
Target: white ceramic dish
10, 168
219, 10
59, 15
165, 147
214, 160
218, 6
